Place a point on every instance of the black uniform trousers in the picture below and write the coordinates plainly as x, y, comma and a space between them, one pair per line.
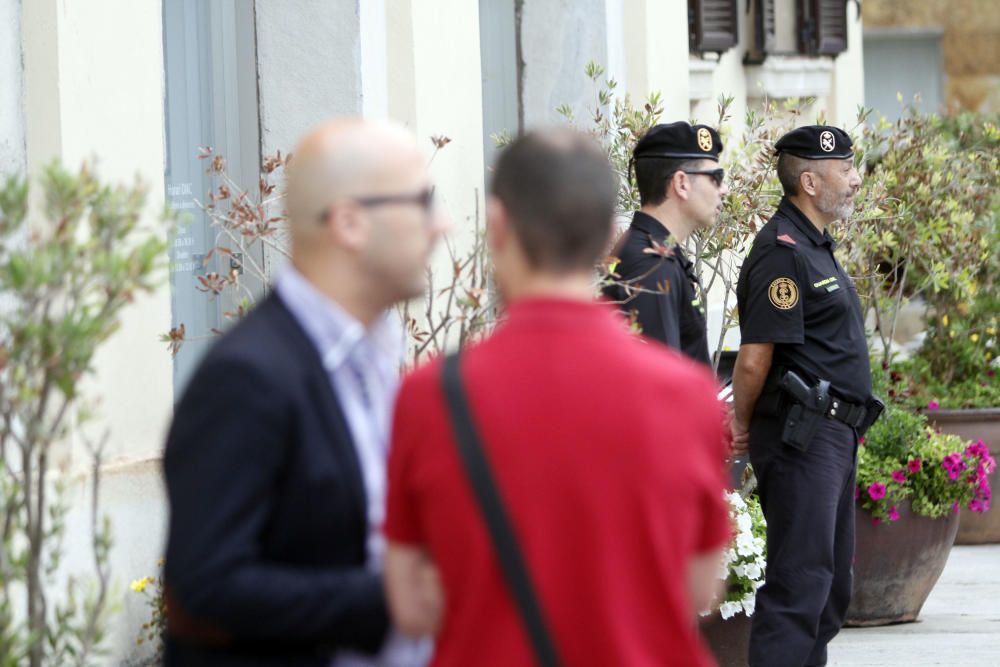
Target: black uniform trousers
808, 501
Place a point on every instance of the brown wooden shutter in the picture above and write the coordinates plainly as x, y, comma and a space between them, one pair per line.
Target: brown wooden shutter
822, 26
764, 19
712, 25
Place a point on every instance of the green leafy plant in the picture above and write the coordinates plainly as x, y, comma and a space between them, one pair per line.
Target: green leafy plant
932, 200
67, 271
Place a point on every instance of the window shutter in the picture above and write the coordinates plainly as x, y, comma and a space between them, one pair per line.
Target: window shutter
712, 25
765, 25
822, 27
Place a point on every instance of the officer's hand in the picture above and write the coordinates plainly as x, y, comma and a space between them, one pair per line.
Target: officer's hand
741, 438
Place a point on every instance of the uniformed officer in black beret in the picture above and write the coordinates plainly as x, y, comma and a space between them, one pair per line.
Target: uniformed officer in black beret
800, 319
681, 188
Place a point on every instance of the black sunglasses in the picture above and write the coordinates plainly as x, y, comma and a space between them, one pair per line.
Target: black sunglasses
424, 199
718, 175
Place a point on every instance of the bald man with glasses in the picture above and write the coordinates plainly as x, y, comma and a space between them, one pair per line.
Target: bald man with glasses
275, 461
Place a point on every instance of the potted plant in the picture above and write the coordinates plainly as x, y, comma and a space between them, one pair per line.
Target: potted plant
911, 482
934, 185
953, 378
726, 627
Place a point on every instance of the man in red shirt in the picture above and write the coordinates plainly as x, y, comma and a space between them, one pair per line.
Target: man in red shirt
607, 451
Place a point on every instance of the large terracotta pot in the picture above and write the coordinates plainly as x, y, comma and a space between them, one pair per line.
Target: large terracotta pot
896, 565
984, 424
729, 639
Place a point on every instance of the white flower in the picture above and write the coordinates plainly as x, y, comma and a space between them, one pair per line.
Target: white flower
730, 556
746, 545
740, 570
750, 570
749, 604
729, 609
744, 523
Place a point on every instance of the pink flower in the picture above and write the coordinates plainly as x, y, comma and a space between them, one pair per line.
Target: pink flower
876, 491
898, 476
933, 405
977, 449
876, 521
954, 464
893, 514
861, 440
954, 507
913, 465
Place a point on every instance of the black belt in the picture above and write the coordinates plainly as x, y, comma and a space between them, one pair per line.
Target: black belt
852, 414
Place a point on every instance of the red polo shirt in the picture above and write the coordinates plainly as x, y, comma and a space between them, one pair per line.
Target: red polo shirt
608, 454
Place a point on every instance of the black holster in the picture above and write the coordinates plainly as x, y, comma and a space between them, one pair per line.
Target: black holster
808, 409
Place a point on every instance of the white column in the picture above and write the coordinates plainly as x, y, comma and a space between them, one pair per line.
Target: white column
12, 148
656, 53
435, 88
848, 75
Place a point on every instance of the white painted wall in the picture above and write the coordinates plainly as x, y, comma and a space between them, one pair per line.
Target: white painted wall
309, 66
656, 53
374, 64
12, 148
435, 88
559, 38
849, 74
94, 89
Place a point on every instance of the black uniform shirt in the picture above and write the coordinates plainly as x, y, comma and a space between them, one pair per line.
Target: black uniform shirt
792, 292
667, 307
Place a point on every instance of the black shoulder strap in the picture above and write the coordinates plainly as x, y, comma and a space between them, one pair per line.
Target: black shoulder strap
477, 468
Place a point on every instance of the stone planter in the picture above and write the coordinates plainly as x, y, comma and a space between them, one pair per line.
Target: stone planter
984, 424
729, 639
897, 565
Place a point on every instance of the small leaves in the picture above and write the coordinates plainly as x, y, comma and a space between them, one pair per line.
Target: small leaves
440, 141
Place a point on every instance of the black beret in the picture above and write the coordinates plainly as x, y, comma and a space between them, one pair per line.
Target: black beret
679, 140
816, 142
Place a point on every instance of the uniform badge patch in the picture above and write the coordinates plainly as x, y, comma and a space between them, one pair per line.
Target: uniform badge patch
704, 139
783, 293
826, 141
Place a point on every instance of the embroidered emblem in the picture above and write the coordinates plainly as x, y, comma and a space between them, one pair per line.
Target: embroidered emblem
787, 239
826, 141
704, 139
783, 293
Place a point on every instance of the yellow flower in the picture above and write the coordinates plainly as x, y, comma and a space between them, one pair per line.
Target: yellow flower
944, 320
951, 334
139, 585
974, 337
991, 331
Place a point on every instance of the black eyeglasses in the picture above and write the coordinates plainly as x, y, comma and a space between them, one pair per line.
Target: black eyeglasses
424, 199
717, 175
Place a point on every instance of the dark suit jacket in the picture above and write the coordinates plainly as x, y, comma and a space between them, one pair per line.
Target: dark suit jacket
266, 547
